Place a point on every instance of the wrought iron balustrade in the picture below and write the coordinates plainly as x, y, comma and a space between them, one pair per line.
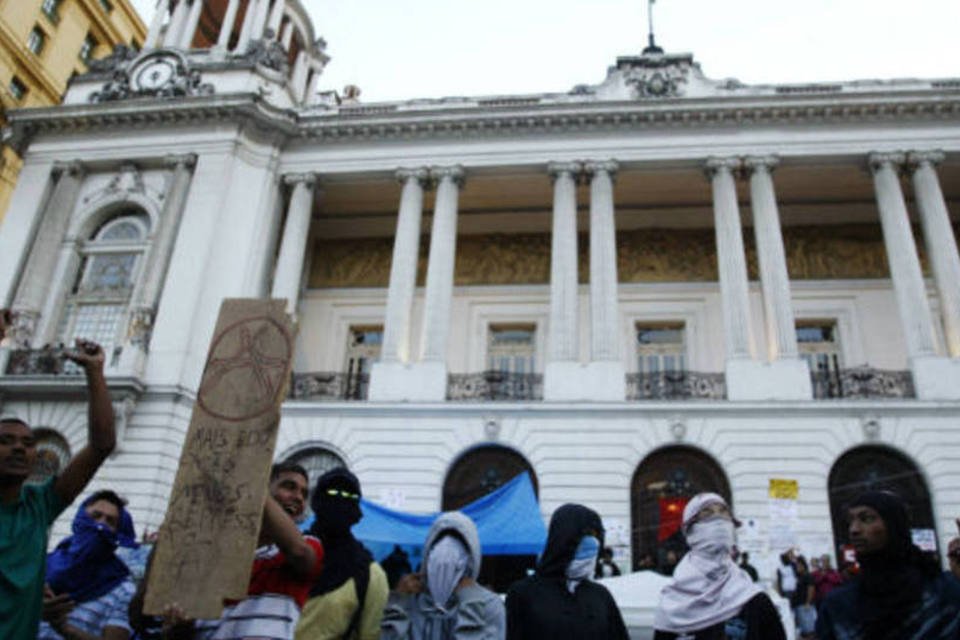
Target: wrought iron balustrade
861, 383
494, 385
329, 386
47, 361
676, 385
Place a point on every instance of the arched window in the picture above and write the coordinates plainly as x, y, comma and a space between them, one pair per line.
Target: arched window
110, 265
475, 474
317, 461
662, 485
53, 454
874, 467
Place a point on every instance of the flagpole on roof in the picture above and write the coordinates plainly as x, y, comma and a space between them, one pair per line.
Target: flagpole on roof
651, 42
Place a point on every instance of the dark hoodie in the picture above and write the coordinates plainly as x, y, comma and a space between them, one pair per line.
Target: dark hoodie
899, 593
541, 606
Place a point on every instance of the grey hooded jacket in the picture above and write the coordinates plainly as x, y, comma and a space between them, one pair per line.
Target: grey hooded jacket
474, 613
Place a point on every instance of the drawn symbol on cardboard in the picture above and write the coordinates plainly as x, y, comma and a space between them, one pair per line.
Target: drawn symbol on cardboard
242, 381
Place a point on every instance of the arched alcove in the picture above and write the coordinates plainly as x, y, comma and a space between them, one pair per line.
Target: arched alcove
662, 485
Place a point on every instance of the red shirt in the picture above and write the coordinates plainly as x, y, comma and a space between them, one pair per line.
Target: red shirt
271, 574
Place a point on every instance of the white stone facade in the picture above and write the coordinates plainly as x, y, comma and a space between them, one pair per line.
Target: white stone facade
242, 167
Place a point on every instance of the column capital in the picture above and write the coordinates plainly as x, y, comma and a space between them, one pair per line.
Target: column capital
763, 163
308, 178
556, 168
931, 156
420, 174
592, 167
69, 167
175, 160
877, 160
714, 165
455, 173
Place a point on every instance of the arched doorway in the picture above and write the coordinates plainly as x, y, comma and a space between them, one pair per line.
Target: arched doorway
663, 484
53, 454
874, 467
473, 475
317, 460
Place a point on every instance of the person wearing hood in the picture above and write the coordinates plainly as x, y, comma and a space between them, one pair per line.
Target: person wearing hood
84, 573
346, 601
710, 597
899, 592
445, 602
560, 600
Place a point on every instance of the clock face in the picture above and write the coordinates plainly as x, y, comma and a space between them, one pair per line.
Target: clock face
155, 74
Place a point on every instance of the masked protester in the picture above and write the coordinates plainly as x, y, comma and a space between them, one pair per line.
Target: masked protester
710, 597
85, 568
445, 602
347, 599
560, 600
898, 594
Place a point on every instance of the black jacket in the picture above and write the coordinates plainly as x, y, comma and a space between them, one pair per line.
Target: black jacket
758, 620
541, 606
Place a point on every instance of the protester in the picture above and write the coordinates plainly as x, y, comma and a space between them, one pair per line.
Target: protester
801, 603
953, 556
787, 576
347, 600
560, 600
747, 567
93, 583
710, 598
444, 601
285, 566
646, 562
899, 593
827, 580
670, 561
27, 511
396, 565
606, 567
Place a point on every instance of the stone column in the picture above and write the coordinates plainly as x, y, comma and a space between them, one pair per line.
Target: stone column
934, 377
293, 246
45, 253
403, 267
260, 20
156, 24
226, 28
193, 19
908, 283
438, 297
772, 260
176, 24
247, 27
286, 35
940, 242
276, 15
604, 325
731, 259
563, 344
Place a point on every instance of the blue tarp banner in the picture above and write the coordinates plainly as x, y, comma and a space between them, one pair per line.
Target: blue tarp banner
508, 521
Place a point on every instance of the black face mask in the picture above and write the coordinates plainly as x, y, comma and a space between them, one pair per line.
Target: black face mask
336, 515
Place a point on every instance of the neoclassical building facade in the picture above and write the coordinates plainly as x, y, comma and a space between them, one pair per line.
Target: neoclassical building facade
635, 290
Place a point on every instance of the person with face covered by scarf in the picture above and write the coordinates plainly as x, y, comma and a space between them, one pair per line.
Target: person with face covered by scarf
346, 602
560, 600
85, 569
710, 597
445, 602
899, 593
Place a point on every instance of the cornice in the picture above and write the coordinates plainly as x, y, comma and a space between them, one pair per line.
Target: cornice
376, 123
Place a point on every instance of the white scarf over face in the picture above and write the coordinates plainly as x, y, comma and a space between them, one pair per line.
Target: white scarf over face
707, 587
447, 563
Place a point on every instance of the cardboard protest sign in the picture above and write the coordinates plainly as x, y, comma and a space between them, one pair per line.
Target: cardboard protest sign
205, 548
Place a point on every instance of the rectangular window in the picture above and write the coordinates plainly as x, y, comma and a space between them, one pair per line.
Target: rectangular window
511, 348
363, 349
819, 345
661, 348
86, 49
105, 4
17, 89
36, 40
51, 9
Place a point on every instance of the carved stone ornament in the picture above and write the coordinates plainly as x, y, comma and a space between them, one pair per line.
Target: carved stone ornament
678, 428
658, 76
268, 53
23, 328
871, 427
119, 57
491, 427
140, 328
157, 73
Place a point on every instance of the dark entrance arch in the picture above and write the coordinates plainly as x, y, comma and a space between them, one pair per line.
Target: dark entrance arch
663, 483
875, 467
473, 475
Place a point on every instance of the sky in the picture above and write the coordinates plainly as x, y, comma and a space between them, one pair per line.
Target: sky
406, 49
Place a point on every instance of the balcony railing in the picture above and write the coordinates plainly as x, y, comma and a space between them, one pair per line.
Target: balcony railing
861, 383
48, 361
676, 385
494, 385
330, 386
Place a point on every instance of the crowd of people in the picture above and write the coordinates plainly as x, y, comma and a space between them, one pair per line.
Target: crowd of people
324, 584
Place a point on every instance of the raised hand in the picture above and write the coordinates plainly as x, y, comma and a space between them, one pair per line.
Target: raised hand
87, 354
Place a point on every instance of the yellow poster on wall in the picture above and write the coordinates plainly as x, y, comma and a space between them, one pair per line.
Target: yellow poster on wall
781, 489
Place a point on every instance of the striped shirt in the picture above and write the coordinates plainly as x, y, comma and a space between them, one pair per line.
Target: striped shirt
93, 616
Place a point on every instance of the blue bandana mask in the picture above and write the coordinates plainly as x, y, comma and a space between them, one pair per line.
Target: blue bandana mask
584, 562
